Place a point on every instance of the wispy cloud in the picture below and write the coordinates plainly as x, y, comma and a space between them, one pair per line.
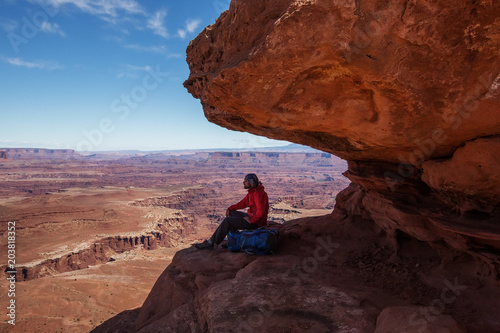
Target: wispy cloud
156, 23
191, 26
108, 10
132, 71
138, 68
117, 13
152, 49
52, 28
48, 65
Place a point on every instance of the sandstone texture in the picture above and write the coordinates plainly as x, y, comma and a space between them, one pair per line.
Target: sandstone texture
472, 170
365, 80
408, 92
330, 274
311, 285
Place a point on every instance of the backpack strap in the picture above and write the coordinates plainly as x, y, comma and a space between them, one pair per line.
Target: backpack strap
242, 243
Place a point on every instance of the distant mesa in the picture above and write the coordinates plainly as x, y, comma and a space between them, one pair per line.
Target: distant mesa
276, 158
37, 153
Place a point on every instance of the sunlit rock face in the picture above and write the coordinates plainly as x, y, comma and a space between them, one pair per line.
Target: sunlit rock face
395, 81
408, 92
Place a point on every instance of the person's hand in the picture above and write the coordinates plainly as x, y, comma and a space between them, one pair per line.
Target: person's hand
227, 212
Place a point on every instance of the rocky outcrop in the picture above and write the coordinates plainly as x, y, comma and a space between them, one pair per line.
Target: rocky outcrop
472, 171
407, 91
330, 274
364, 80
220, 291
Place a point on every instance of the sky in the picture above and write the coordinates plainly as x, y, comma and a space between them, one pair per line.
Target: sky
98, 75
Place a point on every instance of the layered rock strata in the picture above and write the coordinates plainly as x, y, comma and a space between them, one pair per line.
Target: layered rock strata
408, 92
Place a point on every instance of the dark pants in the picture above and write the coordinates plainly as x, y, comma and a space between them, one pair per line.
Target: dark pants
235, 221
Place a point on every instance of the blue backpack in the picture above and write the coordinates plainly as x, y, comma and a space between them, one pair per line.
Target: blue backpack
260, 241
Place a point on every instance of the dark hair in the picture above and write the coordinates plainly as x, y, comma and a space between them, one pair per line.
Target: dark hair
252, 179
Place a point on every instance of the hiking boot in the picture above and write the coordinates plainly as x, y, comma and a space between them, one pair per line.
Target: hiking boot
204, 246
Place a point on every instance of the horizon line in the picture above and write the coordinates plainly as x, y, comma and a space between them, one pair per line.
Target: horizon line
290, 145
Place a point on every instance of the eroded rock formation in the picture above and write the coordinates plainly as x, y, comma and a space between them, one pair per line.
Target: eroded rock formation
97, 253
365, 80
408, 92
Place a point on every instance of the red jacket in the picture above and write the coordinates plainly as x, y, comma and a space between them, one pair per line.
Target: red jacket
258, 204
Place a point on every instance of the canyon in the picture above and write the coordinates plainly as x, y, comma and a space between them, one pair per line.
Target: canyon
407, 92
94, 231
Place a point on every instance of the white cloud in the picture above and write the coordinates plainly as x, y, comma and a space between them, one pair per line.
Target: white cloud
108, 10
138, 68
152, 49
132, 71
28, 64
156, 23
182, 33
52, 28
191, 26
115, 12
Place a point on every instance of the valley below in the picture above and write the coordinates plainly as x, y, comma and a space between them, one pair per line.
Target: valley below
93, 233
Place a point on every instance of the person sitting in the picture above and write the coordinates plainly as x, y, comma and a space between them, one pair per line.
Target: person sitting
258, 207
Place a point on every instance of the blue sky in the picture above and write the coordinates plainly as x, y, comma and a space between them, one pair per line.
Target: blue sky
98, 75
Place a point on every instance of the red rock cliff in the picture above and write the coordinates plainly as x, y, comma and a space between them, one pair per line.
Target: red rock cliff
408, 92
365, 80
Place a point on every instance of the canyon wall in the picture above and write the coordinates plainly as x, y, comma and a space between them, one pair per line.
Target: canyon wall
408, 92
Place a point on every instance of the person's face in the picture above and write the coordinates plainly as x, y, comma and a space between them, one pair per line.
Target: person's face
246, 184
